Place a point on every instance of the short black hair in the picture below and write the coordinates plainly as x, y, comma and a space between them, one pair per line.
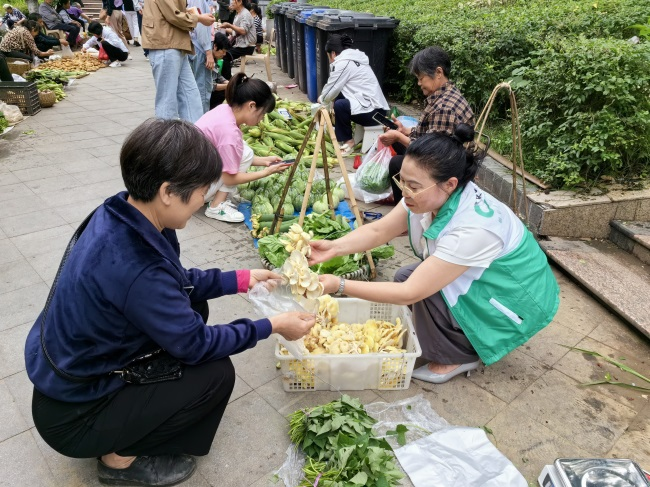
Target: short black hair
242, 88
95, 28
173, 151
255, 8
34, 16
221, 41
338, 43
428, 60
31, 26
444, 156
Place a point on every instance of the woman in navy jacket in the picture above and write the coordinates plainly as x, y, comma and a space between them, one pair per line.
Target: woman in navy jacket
123, 293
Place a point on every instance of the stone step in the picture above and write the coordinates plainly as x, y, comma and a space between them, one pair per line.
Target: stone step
617, 278
633, 237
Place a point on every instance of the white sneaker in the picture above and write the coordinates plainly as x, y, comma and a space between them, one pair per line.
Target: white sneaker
115, 64
224, 212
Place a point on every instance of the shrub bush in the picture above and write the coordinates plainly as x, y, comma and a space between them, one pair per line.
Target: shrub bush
586, 109
487, 40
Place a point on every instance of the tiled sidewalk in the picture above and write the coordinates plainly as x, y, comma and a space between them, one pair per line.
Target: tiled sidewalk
57, 166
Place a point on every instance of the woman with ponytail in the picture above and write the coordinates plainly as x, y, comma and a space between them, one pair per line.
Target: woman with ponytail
247, 101
353, 87
483, 286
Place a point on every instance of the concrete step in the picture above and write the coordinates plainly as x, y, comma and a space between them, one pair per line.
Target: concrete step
619, 279
633, 237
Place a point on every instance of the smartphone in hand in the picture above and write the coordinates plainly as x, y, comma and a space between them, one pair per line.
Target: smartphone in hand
385, 121
286, 161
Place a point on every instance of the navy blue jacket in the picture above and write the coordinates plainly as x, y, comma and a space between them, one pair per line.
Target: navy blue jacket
123, 293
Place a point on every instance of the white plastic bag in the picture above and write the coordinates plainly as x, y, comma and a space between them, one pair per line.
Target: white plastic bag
66, 52
458, 457
12, 113
376, 161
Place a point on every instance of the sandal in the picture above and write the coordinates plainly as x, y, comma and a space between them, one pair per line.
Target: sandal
346, 150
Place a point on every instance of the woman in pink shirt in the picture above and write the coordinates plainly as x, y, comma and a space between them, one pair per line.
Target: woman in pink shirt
248, 100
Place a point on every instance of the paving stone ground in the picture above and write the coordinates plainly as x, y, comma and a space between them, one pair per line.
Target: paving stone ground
57, 166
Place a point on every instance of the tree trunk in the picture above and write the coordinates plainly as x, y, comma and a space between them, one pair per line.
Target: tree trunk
32, 6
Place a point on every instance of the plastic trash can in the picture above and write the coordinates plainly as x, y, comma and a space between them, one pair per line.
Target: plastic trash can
310, 55
278, 23
299, 57
370, 35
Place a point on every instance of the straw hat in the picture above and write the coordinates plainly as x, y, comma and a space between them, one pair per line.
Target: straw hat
6, 6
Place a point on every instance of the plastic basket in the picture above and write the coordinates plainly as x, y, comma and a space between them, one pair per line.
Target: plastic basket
23, 95
355, 372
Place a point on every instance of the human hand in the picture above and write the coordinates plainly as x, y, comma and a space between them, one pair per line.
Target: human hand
209, 63
330, 282
50, 52
225, 25
321, 251
206, 19
261, 275
275, 168
292, 325
270, 160
64, 42
83, 49
389, 137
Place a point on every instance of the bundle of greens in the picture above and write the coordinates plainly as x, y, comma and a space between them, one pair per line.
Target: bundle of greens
53, 75
340, 447
3, 123
373, 175
273, 248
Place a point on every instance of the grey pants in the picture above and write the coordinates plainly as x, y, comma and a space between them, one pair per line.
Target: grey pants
441, 338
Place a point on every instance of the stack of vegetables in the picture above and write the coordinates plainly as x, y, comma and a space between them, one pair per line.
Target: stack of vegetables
265, 196
52, 80
282, 136
330, 336
81, 62
3, 122
340, 446
276, 248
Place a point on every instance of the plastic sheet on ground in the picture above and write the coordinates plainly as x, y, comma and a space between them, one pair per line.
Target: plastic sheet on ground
436, 453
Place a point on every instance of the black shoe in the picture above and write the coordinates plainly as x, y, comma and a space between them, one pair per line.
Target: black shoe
162, 470
136, 43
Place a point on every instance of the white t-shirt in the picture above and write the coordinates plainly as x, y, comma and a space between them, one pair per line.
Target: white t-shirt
469, 246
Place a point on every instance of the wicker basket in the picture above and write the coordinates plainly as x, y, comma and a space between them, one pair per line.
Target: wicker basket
362, 274
18, 66
47, 98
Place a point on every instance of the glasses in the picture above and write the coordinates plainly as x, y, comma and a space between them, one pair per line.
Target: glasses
406, 189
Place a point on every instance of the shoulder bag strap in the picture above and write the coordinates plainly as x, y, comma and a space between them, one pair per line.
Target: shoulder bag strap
71, 244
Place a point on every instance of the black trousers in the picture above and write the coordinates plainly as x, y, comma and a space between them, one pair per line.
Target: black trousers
234, 53
344, 118
114, 53
18, 55
5, 74
71, 29
179, 416
217, 98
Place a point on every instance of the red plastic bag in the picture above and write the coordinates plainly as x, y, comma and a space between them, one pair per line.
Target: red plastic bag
102, 54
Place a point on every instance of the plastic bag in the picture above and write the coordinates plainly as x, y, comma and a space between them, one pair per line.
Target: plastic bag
66, 52
12, 113
372, 175
272, 297
102, 54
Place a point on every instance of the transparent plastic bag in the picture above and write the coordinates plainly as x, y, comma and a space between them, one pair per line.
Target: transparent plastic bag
12, 113
273, 297
372, 175
66, 52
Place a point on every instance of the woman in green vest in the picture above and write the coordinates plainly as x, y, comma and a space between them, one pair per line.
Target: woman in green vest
483, 286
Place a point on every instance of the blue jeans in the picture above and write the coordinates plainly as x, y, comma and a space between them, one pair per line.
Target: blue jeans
202, 76
177, 95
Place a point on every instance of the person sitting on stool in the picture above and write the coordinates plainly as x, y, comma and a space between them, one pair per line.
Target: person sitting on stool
353, 87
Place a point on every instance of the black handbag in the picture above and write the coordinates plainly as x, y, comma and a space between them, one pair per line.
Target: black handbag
157, 366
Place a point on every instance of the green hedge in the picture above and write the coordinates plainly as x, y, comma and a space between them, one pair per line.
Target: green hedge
487, 43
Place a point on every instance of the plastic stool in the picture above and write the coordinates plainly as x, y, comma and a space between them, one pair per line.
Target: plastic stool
369, 135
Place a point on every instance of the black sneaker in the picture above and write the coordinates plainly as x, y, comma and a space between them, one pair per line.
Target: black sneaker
136, 44
162, 470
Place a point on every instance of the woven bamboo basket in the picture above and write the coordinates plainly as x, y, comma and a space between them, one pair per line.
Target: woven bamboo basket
47, 98
17, 67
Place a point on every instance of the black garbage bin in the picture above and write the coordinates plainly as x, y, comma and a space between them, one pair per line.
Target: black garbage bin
298, 43
370, 35
278, 11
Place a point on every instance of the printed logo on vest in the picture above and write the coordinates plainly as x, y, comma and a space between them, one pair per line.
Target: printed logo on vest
486, 213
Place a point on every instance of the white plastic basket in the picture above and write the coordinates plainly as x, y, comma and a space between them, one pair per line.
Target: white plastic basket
356, 372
